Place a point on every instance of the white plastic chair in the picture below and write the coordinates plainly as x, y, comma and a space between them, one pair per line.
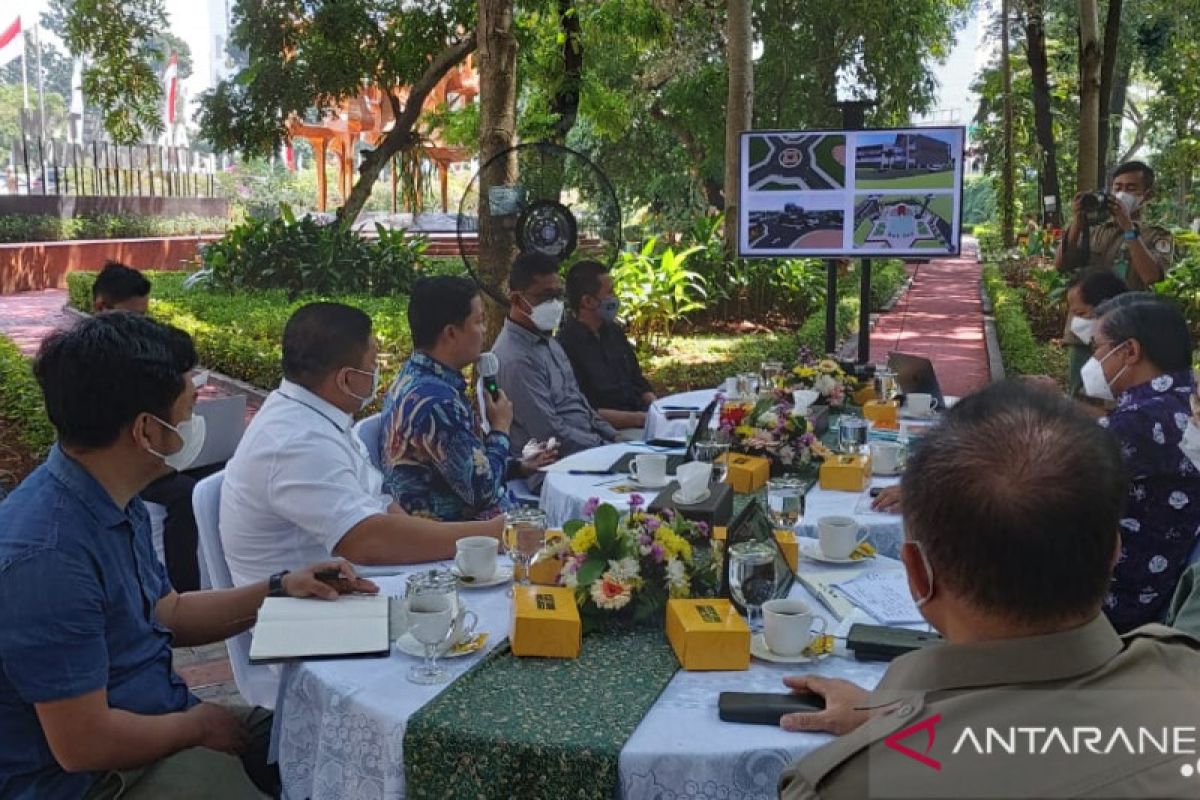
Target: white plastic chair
257, 683
370, 430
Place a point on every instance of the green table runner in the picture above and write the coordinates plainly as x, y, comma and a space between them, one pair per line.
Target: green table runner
534, 727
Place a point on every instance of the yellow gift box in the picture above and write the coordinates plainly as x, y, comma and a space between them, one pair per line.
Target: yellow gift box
746, 473
850, 473
708, 634
789, 547
882, 412
864, 394
545, 622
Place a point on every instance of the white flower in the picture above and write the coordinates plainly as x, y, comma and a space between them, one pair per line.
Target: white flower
825, 384
609, 593
569, 575
1159, 438
1178, 500
1158, 564
1162, 383
787, 454
624, 570
676, 572
768, 419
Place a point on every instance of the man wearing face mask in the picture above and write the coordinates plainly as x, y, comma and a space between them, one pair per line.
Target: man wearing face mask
1086, 291
301, 484
90, 705
1141, 360
604, 361
534, 368
1013, 577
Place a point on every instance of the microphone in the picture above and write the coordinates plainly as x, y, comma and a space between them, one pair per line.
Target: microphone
489, 368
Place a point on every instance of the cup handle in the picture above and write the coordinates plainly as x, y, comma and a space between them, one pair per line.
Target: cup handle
824, 625
866, 534
633, 470
468, 629
932, 404
458, 564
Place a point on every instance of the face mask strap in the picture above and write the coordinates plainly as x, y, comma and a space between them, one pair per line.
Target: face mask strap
928, 573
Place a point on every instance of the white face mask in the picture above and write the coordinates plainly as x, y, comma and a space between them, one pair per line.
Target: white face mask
920, 601
546, 316
365, 400
191, 431
1129, 200
1094, 383
1190, 443
1083, 328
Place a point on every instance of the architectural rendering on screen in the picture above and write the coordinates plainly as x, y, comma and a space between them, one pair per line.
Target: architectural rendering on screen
904, 222
898, 161
795, 228
804, 162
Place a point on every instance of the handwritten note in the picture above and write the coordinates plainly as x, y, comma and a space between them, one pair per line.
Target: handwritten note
884, 595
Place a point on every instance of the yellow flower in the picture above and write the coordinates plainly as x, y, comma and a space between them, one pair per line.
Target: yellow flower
584, 539
828, 365
743, 430
673, 544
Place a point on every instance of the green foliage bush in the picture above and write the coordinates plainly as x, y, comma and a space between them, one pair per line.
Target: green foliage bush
303, 256
50, 228
1183, 279
657, 291
1020, 351
21, 400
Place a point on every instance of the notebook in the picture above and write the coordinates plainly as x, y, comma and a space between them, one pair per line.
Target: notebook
306, 628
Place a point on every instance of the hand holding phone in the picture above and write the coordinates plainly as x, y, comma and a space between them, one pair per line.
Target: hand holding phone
760, 708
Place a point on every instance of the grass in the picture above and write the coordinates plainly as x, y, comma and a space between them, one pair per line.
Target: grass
27, 430
929, 180
825, 160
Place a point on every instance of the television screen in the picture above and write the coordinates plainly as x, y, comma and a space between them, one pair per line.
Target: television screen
894, 192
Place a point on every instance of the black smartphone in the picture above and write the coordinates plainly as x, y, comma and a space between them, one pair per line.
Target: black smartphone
876, 491
757, 708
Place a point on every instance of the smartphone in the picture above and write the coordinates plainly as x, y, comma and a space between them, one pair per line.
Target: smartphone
876, 491
765, 708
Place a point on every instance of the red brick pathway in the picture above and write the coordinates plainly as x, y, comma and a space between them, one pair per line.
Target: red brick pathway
940, 318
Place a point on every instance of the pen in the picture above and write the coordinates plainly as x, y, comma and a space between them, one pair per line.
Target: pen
588, 472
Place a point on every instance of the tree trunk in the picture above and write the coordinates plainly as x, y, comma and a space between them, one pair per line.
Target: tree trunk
497, 133
1007, 207
402, 135
1116, 108
1089, 96
565, 103
738, 109
1108, 64
1039, 69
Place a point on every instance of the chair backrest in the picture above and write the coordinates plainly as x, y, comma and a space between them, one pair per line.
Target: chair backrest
258, 684
370, 430
224, 424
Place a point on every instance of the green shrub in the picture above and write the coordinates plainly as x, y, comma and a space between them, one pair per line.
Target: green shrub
21, 400
1020, 351
50, 228
657, 292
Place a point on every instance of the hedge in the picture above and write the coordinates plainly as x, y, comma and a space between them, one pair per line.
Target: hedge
21, 400
51, 228
1020, 351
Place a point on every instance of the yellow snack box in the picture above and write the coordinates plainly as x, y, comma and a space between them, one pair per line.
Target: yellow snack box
884, 413
864, 394
747, 473
708, 634
788, 546
846, 473
545, 622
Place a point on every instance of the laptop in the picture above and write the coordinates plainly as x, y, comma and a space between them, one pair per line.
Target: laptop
915, 374
224, 423
673, 461
753, 524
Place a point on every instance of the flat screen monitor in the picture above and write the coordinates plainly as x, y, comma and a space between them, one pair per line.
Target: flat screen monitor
851, 194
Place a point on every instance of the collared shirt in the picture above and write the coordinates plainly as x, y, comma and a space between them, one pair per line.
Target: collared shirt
605, 365
79, 583
1162, 513
436, 459
1084, 678
536, 375
298, 482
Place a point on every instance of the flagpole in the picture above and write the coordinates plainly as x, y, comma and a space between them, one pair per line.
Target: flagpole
24, 72
37, 42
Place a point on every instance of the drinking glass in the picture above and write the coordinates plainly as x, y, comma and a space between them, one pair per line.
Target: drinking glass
852, 434
714, 451
752, 385
752, 577
431, 609
771, 370
523, 537
785, 501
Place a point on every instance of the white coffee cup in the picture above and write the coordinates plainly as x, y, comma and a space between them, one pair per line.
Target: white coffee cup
839, 536
886, 458
788, 626
475, 557
402, 619
920, 404
693, 478
649, 469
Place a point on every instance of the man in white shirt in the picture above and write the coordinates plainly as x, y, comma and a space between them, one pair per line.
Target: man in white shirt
301, 482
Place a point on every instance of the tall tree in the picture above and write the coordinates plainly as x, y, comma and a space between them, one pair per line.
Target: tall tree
1007, 183
1089, 95
739, 107
1039, 70
1108, 65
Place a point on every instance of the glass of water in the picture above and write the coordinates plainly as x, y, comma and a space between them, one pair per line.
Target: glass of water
714, 450
752, 577
771, 370
852, 434
524, 534
785, 501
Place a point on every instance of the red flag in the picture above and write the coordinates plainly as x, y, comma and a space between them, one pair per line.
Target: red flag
170, 86
12, 43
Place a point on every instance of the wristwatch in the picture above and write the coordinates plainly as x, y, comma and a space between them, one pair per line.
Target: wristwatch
1131, 234
275, 585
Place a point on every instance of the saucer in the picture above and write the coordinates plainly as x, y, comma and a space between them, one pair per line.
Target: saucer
881, 474
641, 484
501, 575
811, 549
678, 498
409, 645
759, 649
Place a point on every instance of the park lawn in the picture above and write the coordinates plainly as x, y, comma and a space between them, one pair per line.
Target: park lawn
943, 206
929, 180
825, 160
860, 233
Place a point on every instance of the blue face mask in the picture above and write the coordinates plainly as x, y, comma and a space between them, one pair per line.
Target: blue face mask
608, 309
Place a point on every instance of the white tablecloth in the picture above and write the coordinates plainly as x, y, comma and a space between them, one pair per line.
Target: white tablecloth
340, 724
657, 424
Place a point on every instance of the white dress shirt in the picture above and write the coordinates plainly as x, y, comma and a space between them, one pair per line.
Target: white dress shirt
299, 481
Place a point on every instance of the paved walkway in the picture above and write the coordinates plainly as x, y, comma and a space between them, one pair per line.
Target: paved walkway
940, 318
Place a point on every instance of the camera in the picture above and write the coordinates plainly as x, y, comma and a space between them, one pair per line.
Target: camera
1094, 205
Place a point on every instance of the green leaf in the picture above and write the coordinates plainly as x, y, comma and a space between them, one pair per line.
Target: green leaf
572, 527
592, 569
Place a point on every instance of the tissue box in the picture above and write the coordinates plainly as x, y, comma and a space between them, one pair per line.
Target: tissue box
747, 473
882, 413
545, 622
708, 635
714, 510
789, 547
841, 473
865, 394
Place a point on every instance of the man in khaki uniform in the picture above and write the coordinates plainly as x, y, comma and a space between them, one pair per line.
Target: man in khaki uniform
1011, 513
1139, 254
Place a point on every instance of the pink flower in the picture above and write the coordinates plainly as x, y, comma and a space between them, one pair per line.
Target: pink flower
645, 540
636, 501
589, 508
702, 527
652, 524
656, 550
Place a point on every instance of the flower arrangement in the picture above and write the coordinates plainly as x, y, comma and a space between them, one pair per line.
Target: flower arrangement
823, 375
624, 568
771, 428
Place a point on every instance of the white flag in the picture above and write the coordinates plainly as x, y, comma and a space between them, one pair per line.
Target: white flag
12, 42
77, 86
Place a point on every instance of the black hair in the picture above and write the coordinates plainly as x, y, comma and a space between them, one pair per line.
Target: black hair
322, 337
436, 302
1097, 285
528, 266
117, 283
1156, 322
1136, 166
1015, 499
100, 374
583, 279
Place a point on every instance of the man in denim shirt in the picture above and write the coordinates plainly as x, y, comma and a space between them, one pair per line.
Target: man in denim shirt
89, 703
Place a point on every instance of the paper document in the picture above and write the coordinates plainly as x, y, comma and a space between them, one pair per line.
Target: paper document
298, 628
883, 594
